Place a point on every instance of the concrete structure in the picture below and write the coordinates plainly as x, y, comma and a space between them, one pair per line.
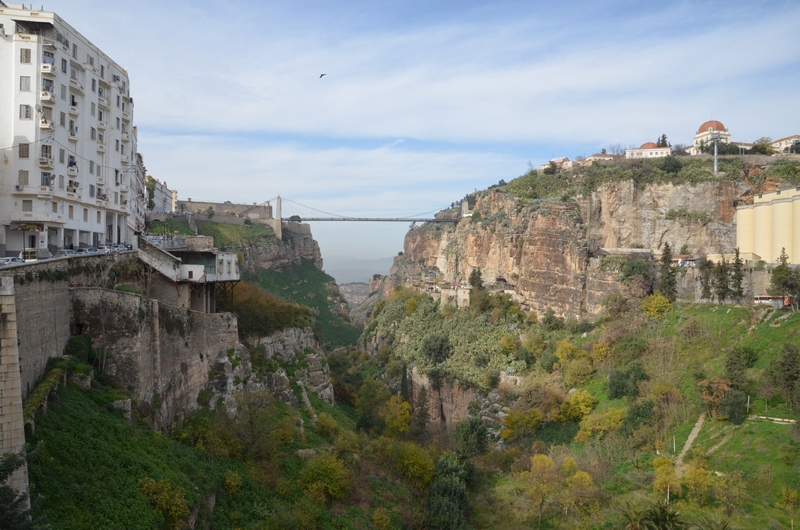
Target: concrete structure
560, 163
234, 213
784, 145
706, 133
164, 199
770, 224
648, 150
69, 172
598, 157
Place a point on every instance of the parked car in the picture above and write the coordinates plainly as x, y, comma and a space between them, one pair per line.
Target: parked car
121, 248
65, 252
105, 249
49, 255
90, 250
10, 261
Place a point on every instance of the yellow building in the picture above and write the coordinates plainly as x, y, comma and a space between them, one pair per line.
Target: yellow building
770, 224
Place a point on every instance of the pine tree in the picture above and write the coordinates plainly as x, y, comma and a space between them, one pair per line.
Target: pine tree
476, 279
667, 277
405, 390
421, 416
721, 282
737, 277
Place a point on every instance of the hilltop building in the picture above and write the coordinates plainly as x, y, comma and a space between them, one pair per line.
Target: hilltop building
770, 224
72, 176
706, 133
648, 150
164, 199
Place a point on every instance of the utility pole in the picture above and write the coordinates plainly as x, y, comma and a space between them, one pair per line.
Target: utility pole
716, 139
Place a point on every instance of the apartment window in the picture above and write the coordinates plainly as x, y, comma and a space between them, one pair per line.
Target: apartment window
55, 207
48, 58
61, 182
24, 150
25, 112
47, 151
99, 219
27, 205
22, 180
91, 167
100, 138
123, 106
90, 60
118, 100
116, 145
47, 113
64, 92
102, 71
92, 108
100, 114
47, 179
86, 214
71, 212
73, 100
116, 198
64, 65
94, 85
99, 170
61, 156
47, 85
63, 119
25, 55
24, 83
122, 149
117, 123
91, 190
74, 51
92, 133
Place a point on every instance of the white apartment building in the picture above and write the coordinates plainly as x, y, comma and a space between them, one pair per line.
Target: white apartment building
70, 175
648, 150
164, 199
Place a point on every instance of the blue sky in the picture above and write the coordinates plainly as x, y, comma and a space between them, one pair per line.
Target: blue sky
424, 102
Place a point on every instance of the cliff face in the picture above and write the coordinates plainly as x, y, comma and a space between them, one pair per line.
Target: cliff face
297, 244
542, 251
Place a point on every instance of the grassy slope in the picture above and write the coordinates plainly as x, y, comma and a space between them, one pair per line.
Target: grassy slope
305, 284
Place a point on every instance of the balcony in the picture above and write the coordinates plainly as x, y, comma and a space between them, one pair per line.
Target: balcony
126, 115
72, 171
126, 137
47, 96
101, 125
46, 162
125, 159
103, 102
101, 181
73, 109
76, 85
45, 192
45, 125
101, 148
20, 189
72, 136
49, 70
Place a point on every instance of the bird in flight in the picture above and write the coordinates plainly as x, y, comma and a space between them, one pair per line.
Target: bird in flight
321, 75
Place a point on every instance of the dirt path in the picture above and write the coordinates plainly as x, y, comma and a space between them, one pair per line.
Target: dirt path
689, 442
720, 443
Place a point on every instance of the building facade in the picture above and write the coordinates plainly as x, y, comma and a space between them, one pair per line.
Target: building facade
71, 174
705, 135
769, 225
648, 150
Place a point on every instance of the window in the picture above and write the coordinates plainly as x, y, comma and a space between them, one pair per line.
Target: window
24, 150
47, 151
100, 138
90, 60
25, 112
92, 108
61, 155
27, 205
55, 207
92, 133
99, 220
116, 145
24, 83
91, 190
48, 58
74, 51
116, 198
23, 177
71, 212
117, 123
122, 149
73, 100
64, 65
100, 114
47, 113
91, 167
47, 85
99, 170
118, 100
102, 71
63, 119
61, 182
94, 85
47, 179
86, 214
25, 55
64, 92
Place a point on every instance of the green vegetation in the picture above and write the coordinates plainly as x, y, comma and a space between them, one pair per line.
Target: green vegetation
233, 237
169, 227
305, 284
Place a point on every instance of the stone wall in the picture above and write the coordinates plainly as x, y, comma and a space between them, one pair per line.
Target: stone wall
162, 355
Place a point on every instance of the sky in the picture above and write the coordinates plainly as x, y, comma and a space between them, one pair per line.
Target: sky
425, 102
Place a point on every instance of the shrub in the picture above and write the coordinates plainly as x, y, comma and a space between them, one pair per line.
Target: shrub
450, 464
733, 406
168, 500
520, 424
80, 347
576, 407
326, 426
623, 383
656, 305
413, 463
327, 474
551, 322
578, 372
472, 437
597, 424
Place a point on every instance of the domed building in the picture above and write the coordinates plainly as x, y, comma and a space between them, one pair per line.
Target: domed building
648, 150
706, 133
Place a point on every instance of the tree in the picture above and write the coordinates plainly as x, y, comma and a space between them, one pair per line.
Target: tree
326, 477
421, 415
662, 141
737, 277
580, 493
371, 398
396, 415
13, 505
720, 282
763, 146
436, 348
472, 437
663, 517
729, 489
733, 405
476, 279
785, 373
790, 501
210, 212
541, 482
706, 269
666, 480
785, 281
699, 481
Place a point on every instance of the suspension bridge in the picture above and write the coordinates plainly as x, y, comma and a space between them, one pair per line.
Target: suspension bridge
278, 201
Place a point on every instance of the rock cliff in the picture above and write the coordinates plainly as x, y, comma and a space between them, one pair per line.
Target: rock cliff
297, 244
541, 251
